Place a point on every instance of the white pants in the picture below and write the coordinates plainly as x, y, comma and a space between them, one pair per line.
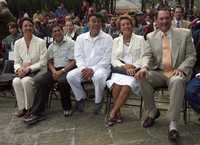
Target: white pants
25, 91
74, 78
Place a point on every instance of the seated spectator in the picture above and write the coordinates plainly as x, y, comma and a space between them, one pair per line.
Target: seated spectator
112, 28
193, 86
5, 17
140, 23
1, 52
126, 54
61, 11
166, 63
29, 63
77, 21
9, 41
48, 38
40, 28
178, 21
71, 31
68, 18
60, 62
92, 55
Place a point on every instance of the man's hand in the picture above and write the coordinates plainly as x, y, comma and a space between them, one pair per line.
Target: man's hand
87, 73
26, 70
57, 74
178, 72
141, 74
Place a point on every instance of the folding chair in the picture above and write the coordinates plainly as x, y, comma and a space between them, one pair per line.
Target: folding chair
88, 87
53, 92
6, 77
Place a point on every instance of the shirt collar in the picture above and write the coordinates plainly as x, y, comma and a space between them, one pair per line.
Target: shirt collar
71, 35
60, 43
169, 32
99, 36
180, 21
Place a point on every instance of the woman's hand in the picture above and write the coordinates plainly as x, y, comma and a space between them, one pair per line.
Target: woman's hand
20, 72
128, 66
131, 71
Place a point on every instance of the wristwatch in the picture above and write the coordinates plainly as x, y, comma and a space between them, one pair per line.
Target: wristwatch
63, 69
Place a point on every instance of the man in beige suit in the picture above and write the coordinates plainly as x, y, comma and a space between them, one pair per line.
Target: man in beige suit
167, 62
178, 21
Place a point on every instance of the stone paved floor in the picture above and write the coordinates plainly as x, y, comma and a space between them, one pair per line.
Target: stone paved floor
88, 129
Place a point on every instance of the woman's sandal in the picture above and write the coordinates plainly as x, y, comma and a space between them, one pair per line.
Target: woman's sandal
119, 119
110, 122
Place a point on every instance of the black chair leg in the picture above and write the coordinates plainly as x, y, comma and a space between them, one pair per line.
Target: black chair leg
50, 99
185, 112
141, 105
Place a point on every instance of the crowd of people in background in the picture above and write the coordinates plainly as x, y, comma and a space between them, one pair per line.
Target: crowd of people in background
67, 48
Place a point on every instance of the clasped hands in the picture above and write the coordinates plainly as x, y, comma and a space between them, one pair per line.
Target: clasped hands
87, 74
130, 69
24, 70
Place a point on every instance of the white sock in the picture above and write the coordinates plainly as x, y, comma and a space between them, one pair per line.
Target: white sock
172, 125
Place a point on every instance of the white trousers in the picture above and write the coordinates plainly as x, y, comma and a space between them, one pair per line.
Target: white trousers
25, 91
74, 78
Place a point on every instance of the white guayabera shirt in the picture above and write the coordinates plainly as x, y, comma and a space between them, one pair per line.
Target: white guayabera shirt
93, 52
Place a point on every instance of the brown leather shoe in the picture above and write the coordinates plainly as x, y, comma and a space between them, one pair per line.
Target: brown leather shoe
149, 121
21, 113
173, 135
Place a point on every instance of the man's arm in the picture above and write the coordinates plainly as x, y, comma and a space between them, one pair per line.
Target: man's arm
190, 56
51, 66
43, 58
79, 54
70, 65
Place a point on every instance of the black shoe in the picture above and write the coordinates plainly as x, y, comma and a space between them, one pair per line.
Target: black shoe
80, 105
33, 119
173, 135
67, 113
149, 121
97, 108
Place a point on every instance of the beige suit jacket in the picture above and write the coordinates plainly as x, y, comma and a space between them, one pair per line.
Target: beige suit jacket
136, 49
184, 24
37, 54
183, 52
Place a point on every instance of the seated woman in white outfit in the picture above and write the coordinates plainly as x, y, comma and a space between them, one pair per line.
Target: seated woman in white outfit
126, 55
29, 62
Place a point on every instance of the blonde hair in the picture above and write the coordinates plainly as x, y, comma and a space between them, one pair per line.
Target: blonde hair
127, 17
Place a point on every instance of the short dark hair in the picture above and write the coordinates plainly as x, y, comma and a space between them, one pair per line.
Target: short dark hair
179, 7
162, 9
97, 15
25, 19
56, 25
12, 24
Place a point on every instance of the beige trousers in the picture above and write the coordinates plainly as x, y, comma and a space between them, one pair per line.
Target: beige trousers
176, 88
25, 89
